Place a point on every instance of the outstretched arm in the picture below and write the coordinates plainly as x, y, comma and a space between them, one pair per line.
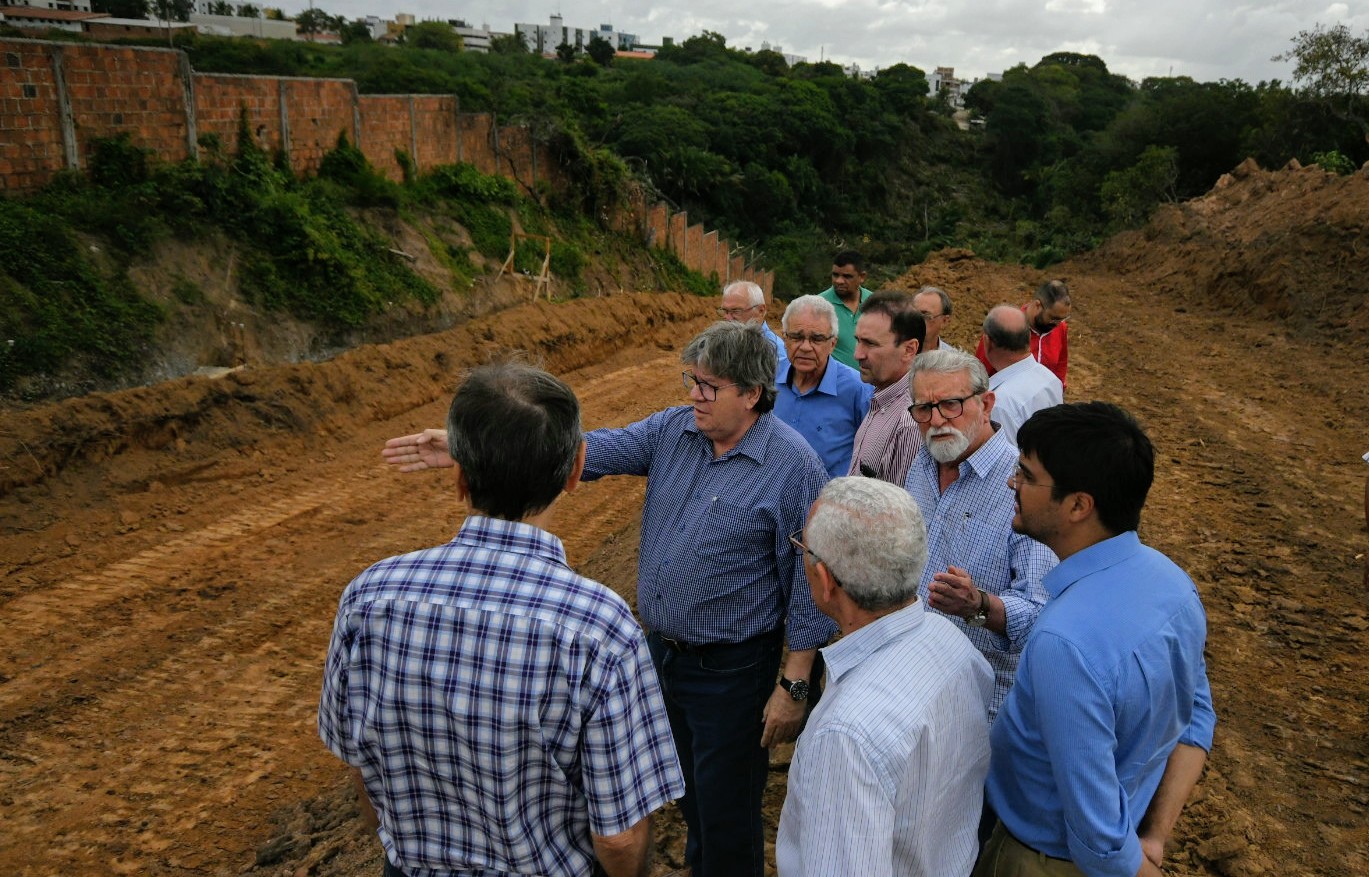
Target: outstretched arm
422, 450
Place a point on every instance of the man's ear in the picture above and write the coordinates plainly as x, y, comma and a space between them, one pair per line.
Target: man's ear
823, 583
577, 470
463, 490
1079, 506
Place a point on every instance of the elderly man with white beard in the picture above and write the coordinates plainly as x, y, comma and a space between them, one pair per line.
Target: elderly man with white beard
979, 573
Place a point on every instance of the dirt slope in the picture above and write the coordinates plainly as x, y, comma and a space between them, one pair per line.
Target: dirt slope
170, 557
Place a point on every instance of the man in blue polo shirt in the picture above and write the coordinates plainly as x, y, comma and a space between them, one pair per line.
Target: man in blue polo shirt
1107, 728
818, 396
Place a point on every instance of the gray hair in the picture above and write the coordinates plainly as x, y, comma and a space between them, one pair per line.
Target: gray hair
948, 362
870, 535
1016, 338
812, 304
739, 353
754, 294
939, 293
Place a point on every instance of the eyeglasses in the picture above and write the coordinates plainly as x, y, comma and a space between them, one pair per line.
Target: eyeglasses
796, 539
950, 409
708, 391
735, 312
813, 338
1020, 478
927, 316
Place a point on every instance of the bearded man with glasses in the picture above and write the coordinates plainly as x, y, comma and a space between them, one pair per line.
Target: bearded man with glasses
980, 574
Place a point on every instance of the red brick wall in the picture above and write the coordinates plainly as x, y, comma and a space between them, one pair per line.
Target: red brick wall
114, 89
30, 130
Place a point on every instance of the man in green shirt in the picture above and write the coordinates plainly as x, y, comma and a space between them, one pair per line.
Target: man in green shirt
846, 294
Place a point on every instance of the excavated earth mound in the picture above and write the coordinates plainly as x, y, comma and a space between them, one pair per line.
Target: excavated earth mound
171, 556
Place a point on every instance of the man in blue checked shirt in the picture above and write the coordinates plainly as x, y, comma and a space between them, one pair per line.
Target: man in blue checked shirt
982, 575
499, 711
1106, 732
718, 585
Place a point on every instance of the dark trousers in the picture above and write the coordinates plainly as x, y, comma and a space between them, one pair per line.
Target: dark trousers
714, 697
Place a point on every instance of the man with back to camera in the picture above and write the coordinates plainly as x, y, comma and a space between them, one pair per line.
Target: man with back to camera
935, 306
744, 302
821, 398
888, 337
1048, 313
1106, 732
846, 294
982, 575
499, 711
1021, 385
719, 587
887, 777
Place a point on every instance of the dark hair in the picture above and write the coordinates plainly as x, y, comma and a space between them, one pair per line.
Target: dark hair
1051, 292
852, 258
515, 432
737, 352
1016, 340
904, 319
1095, 448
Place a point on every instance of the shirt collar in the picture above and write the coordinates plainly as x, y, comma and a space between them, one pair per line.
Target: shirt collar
752, 445
1096, 558
827, 386
851, 650
897, 393
511, 536
982, 461
1022, 365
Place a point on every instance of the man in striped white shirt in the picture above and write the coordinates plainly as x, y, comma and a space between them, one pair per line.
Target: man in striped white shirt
887, 777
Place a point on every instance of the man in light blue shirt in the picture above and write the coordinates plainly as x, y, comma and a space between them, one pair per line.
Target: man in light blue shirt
887, 777
744, 302
982, 575
818, 396
1106, 732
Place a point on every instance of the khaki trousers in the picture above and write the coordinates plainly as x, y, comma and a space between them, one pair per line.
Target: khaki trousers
1006, 856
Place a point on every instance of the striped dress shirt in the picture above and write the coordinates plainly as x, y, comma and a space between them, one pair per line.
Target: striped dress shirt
887, 778
970, 526
888, 438
499, 706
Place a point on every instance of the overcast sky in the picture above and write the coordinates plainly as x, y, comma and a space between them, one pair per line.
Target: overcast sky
1205, 39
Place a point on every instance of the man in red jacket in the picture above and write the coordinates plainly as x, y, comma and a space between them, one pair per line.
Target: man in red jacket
1047, 314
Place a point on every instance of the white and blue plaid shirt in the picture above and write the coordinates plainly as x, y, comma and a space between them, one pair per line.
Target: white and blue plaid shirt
970, 526
499, 706
716, 564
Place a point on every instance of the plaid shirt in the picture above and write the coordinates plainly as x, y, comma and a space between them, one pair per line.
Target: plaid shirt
970, 526
499, 706
715, 564
888, 438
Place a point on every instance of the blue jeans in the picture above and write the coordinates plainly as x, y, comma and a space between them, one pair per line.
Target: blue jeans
714, 698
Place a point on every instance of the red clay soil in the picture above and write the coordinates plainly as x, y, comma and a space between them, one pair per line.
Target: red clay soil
171, 556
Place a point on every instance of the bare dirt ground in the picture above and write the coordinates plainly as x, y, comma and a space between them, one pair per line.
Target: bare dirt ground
171, 557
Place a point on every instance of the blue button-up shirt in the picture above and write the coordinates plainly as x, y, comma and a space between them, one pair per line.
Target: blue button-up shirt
827, 415
970, 526
715, 563
499, 706
1111, 680
781, 352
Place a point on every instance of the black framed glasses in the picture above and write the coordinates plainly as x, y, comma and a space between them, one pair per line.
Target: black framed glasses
707, 390
949, 409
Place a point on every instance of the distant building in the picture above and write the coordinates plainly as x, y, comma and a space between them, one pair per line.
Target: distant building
943, 81
237, 26
59, 5
789, 59
49, 18
473, 39
544, 38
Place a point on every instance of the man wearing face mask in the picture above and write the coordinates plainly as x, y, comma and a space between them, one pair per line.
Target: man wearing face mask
980, 574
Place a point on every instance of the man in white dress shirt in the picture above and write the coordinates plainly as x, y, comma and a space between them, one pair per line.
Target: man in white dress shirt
1021, 385
887, 777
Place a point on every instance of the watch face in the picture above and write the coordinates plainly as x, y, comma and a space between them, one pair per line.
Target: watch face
799, 689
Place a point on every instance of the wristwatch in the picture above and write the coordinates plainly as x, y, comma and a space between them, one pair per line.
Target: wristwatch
980, 616
797, 688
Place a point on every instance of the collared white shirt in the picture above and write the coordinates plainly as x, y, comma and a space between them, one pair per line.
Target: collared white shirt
887, 777
1021, 390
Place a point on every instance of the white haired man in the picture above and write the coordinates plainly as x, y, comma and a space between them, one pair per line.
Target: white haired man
744, 302
825, 400
887, 777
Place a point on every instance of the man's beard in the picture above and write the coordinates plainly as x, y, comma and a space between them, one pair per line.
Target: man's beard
947, 450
